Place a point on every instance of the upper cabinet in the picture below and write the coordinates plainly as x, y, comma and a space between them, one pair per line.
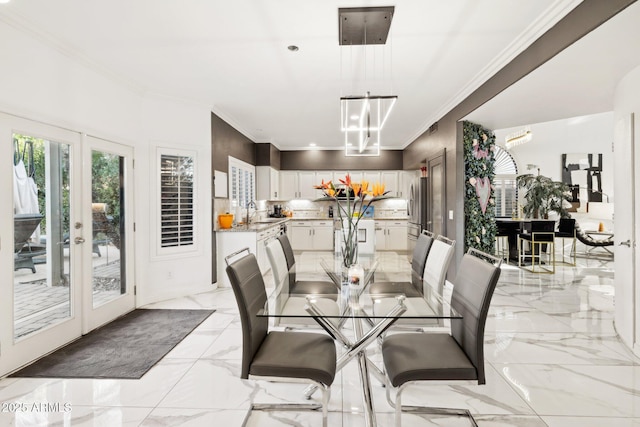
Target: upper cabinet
306, 181
300, 184
289, 185
267, 183
390, 181
405, 178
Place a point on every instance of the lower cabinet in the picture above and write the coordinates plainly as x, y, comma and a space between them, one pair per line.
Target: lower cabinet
311, 235
391, 235
262, 240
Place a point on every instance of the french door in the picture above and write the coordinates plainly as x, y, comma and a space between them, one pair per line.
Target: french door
108, 232
67, 272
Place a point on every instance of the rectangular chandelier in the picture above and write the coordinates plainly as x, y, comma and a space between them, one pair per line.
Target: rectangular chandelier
362, 120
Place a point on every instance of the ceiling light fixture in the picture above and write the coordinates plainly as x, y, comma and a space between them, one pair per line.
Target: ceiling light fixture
518, 138
293, 48
363, 117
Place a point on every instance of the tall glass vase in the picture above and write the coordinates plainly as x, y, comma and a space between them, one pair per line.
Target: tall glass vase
349, 249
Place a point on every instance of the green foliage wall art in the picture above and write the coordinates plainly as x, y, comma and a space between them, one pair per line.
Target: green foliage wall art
479, 202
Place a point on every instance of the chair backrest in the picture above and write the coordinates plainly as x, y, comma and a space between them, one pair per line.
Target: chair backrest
567, 225
419, 258
538, 226
288, 253
472, 291
437, 264
279, 266
251, 296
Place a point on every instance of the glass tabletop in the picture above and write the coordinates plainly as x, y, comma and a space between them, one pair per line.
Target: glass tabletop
350, 301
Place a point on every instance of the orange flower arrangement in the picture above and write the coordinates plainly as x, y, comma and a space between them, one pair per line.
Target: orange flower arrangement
356, 198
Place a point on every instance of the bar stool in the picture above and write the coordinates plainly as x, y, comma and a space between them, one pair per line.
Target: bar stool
540, 239
567, 230
502, 243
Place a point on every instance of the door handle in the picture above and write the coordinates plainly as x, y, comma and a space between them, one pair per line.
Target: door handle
626, 243
78, 240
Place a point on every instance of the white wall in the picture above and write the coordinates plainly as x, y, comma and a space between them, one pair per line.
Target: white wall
40, 82
586, 134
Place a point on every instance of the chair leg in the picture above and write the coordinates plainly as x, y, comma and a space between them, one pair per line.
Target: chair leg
396, 404
294, 407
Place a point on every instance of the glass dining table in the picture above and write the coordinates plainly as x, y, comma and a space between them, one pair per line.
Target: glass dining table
360, 317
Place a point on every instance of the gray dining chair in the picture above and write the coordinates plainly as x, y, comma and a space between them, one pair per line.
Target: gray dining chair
411, 358
300, 357
304, 287
434, 276
288, 303
418, 262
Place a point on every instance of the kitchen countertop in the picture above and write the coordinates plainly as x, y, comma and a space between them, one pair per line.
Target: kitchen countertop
265, 224
254, 226
336, 219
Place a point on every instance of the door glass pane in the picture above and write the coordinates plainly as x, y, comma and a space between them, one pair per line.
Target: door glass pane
41, 187
107, 207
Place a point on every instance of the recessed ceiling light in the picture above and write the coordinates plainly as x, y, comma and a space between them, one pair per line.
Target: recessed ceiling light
312, 144
4, 1
293, 48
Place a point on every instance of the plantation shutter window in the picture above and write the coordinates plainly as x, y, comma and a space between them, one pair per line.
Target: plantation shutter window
242, 189
506, 188
176, 201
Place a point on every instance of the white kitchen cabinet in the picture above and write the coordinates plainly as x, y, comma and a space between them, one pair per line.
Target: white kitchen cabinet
371, 177
229, 242
323, 235
396, 236
267, 183
391, 235
300, 233
306, 181
381, 236
289, 185
406, 178
390, 181
311, 235
298, 185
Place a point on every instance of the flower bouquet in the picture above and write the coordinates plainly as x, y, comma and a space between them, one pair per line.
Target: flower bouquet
352, 200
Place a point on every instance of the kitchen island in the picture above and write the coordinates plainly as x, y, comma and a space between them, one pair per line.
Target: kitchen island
254, 236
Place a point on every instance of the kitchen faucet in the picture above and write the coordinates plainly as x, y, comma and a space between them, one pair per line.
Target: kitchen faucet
249, 204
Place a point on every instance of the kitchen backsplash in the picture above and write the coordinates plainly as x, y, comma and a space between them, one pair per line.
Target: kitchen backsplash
390, 208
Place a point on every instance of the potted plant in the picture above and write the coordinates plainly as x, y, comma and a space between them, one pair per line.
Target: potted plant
543, 195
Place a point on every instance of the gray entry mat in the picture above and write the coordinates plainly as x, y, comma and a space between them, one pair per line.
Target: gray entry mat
126, 348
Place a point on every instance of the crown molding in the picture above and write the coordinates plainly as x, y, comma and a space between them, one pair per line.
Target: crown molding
554, 13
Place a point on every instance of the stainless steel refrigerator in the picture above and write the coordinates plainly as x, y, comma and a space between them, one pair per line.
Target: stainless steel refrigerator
417, 210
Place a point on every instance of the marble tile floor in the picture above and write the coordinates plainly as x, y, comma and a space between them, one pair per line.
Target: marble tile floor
552, 359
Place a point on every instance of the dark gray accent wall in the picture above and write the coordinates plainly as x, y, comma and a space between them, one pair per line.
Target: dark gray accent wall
227, 141
336, 160
267, 155
447, 134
